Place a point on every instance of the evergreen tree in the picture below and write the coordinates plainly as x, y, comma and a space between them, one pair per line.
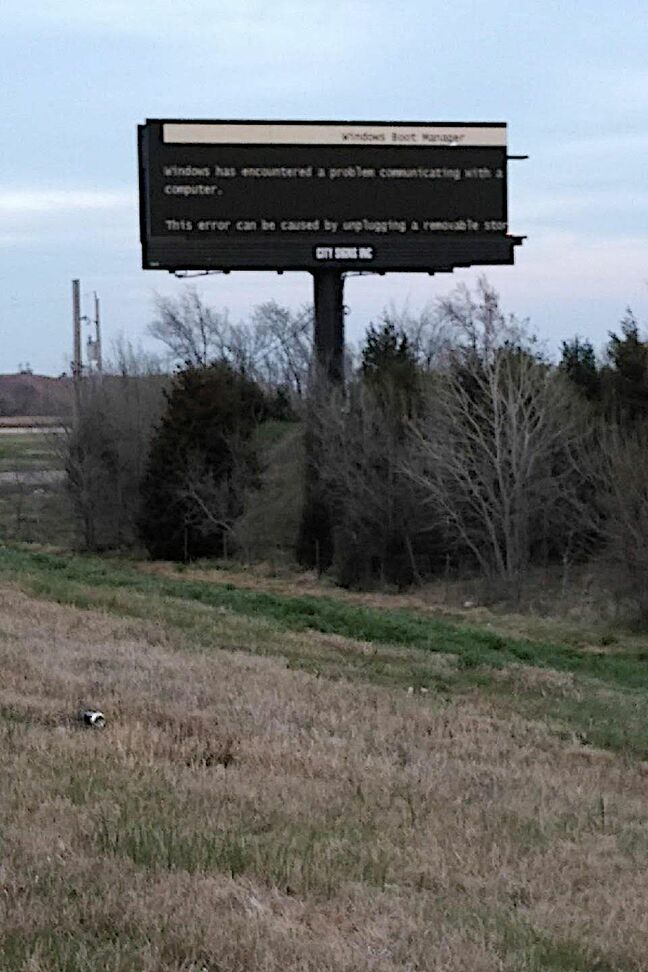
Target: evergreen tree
200, 462
627, 376
578, 363
390, 369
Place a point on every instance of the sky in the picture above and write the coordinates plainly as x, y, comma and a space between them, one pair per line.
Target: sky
77, 77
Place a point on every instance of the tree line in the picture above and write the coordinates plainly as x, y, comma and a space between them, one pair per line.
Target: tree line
455, 445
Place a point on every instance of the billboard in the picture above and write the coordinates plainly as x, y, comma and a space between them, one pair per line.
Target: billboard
288, 195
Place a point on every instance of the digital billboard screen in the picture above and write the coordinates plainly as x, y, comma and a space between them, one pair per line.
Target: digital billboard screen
374, 196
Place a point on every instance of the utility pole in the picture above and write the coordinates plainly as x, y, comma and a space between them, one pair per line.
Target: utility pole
77, 364
97, 345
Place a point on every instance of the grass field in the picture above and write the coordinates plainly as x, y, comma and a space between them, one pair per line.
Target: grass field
30, 508
295, 780
30, 450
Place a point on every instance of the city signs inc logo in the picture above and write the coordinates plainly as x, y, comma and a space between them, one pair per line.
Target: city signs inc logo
344, 252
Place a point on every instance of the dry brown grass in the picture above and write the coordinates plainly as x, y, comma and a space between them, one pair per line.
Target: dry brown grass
238, 815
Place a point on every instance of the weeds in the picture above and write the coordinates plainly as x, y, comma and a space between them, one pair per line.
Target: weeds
302, 861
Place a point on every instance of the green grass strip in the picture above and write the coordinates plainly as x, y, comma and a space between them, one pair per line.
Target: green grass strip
473, 647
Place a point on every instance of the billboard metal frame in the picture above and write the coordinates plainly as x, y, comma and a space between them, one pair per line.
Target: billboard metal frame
446, 252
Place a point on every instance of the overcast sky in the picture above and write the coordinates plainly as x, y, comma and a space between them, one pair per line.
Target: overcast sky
77, 76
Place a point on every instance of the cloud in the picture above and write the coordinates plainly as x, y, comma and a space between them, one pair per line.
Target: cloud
19, 201
585, 208
601, 142
571, 265
42, 218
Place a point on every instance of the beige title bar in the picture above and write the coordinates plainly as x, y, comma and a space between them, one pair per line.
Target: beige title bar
257, 133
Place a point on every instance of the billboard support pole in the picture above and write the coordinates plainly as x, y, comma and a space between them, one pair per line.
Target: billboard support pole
329, 323
315, 544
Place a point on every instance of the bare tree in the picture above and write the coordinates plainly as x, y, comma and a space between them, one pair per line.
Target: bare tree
105, 454
194, 333
129, 360
248, 350
431, 334
476, 322
274, 348
470, 320
496, 454
380, 528
290, 343
213, 505
621, 471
